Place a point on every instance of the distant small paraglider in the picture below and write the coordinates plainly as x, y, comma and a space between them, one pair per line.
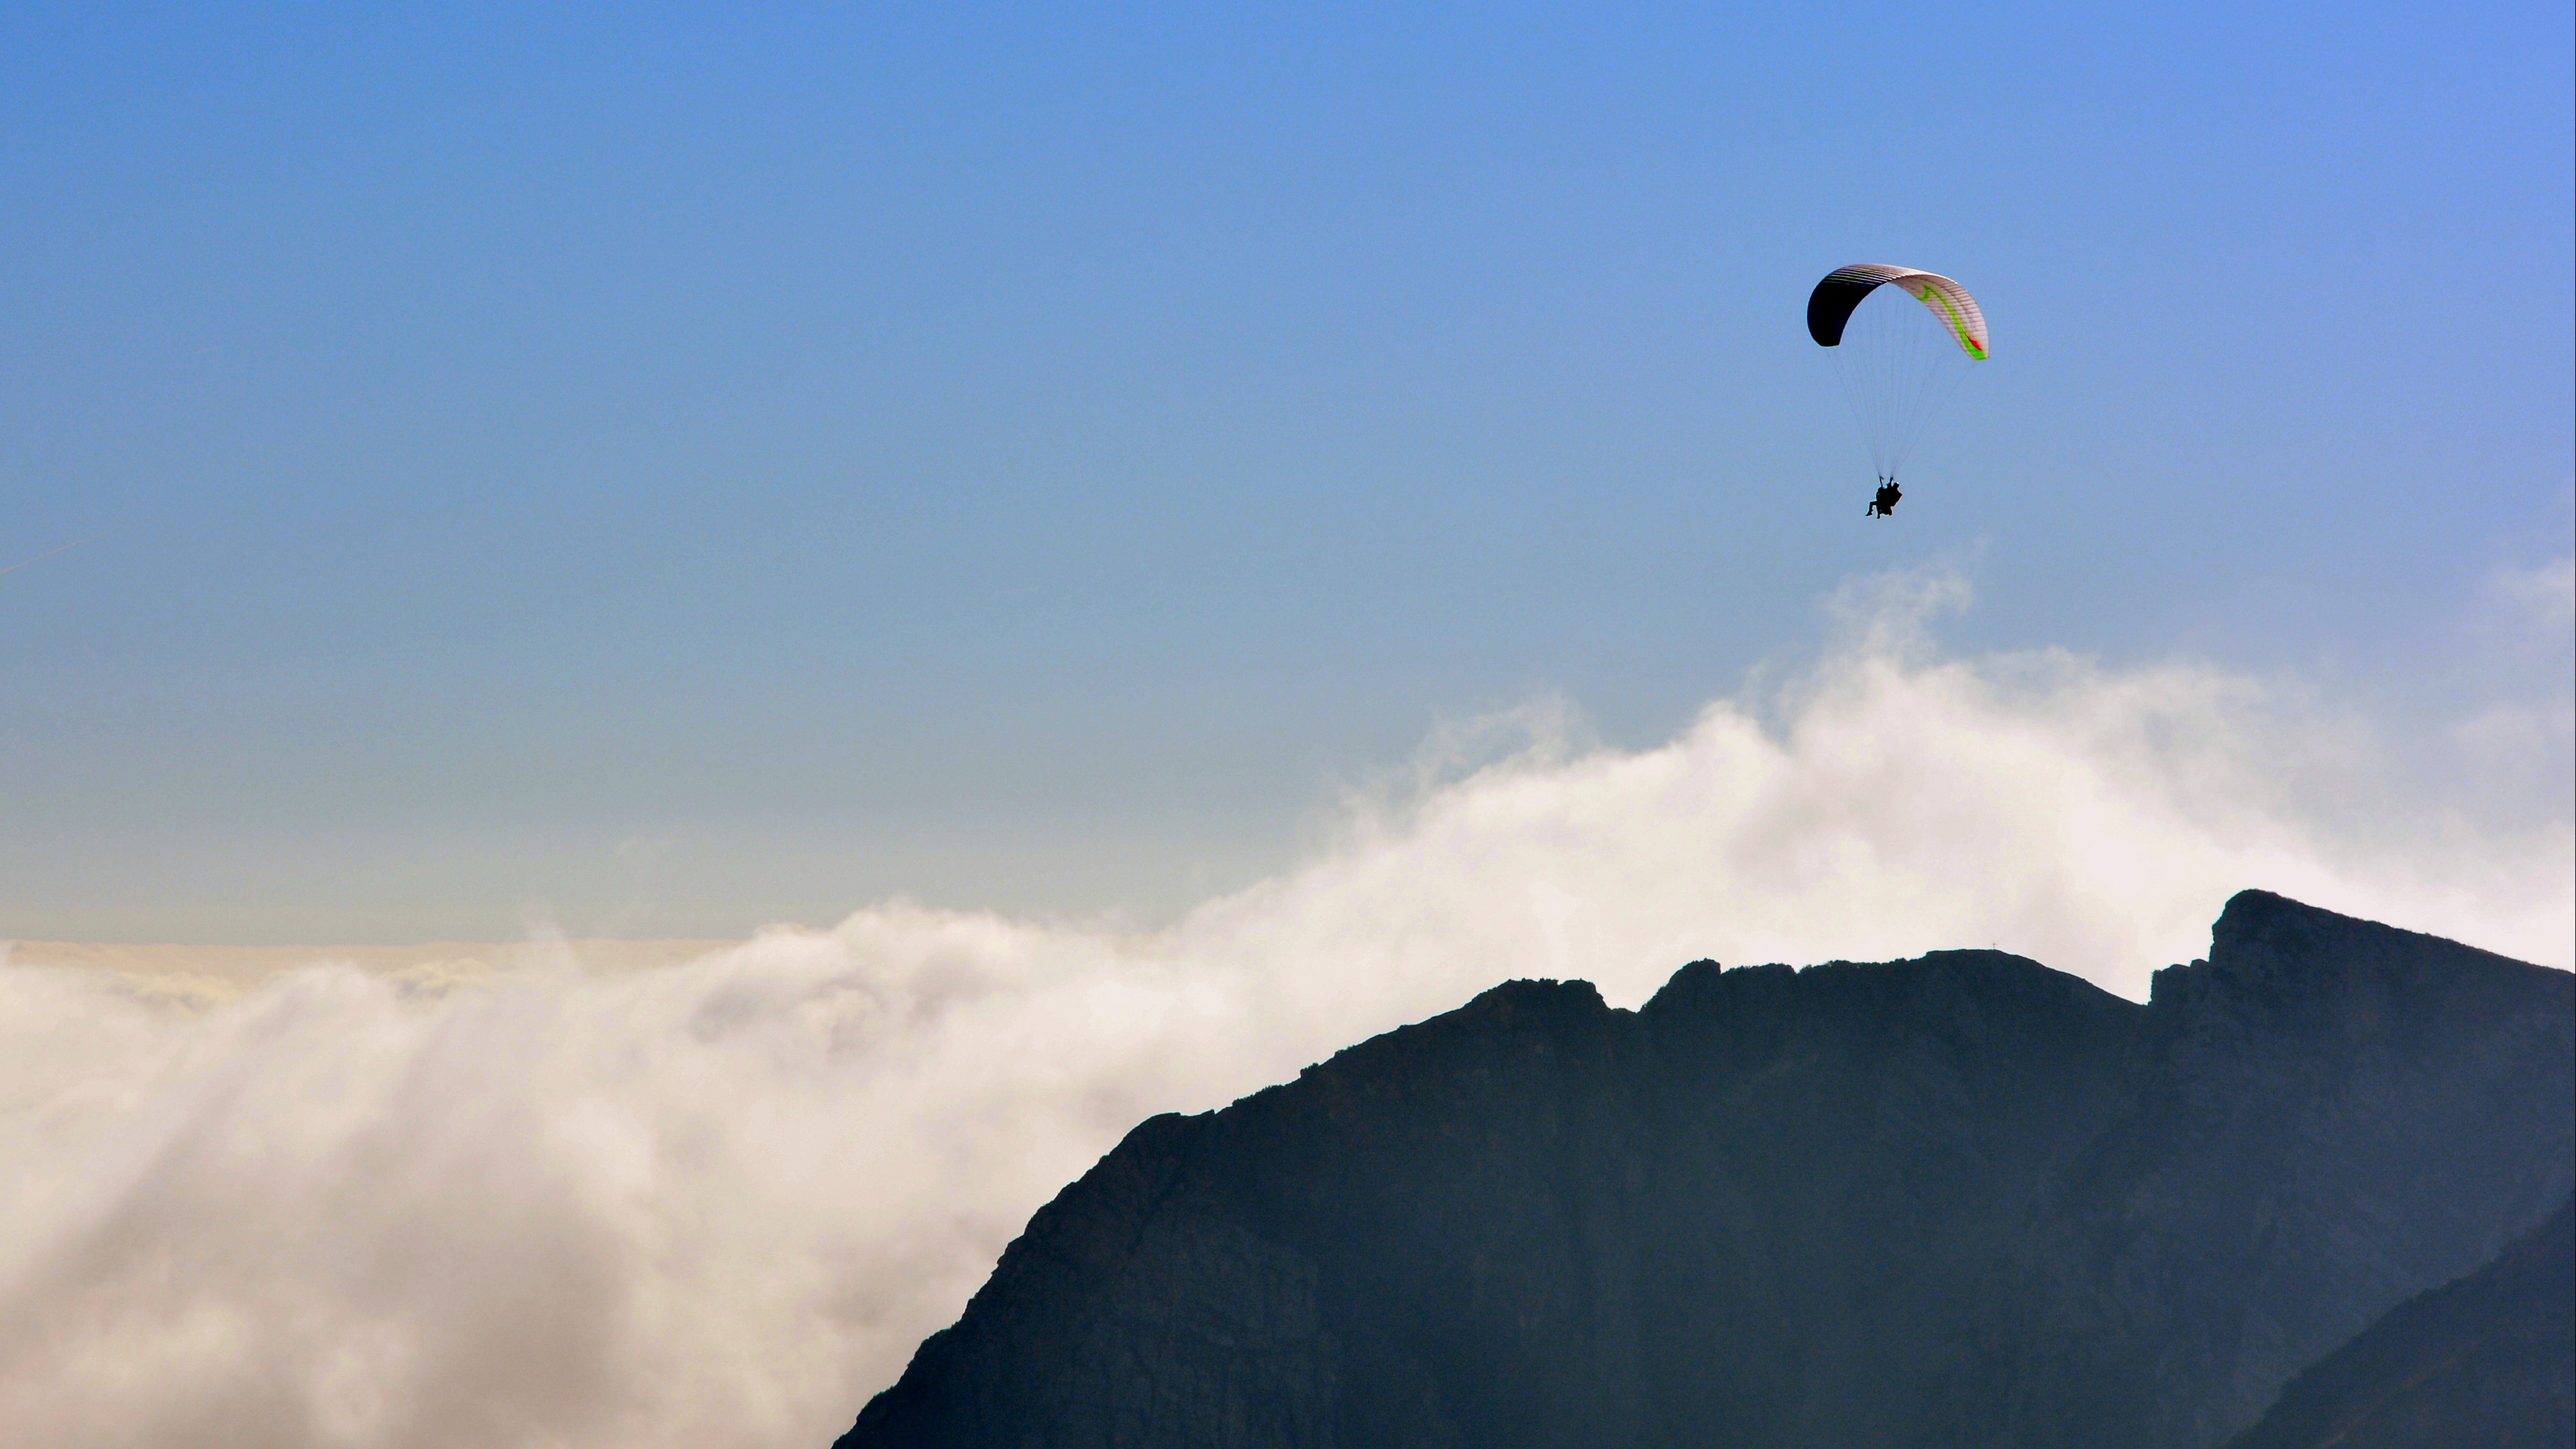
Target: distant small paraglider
1897, 367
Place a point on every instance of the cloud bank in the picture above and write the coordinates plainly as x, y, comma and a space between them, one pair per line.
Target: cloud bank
719, 1202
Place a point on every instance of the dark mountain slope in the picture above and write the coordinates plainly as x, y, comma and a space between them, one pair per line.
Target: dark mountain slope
1963, 1200
2489, 1362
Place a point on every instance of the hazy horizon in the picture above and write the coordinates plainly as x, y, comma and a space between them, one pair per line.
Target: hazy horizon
2496, 768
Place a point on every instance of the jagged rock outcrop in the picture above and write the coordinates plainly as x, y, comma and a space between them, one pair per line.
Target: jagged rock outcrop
1963, 1200
2488, 1361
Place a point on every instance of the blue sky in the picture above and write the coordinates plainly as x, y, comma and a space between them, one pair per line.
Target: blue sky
662, 470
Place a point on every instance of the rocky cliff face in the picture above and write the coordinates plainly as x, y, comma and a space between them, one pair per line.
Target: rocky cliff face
1963, 1200
2488, 1361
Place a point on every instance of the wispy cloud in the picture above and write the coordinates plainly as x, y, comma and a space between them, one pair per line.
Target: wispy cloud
2547, 590
721, 1201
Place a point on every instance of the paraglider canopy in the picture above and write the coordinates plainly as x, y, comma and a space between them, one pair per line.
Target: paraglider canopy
1829, 307
1896, 366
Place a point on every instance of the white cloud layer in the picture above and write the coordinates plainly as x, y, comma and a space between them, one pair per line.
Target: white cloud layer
719, 1202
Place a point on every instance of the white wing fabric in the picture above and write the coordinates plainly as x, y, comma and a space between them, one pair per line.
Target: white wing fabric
1830, 306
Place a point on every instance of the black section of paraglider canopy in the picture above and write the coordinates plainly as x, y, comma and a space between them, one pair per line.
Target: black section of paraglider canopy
1831, 304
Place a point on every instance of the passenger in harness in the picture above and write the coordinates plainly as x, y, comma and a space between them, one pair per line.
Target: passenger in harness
1884, 505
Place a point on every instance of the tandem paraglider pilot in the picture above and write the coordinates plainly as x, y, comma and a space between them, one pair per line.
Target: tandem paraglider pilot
1884, 505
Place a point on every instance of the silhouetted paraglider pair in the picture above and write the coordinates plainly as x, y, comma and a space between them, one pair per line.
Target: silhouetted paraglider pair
1896, 366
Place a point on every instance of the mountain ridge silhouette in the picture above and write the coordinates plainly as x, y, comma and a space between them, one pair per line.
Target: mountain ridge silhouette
1963, 1199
